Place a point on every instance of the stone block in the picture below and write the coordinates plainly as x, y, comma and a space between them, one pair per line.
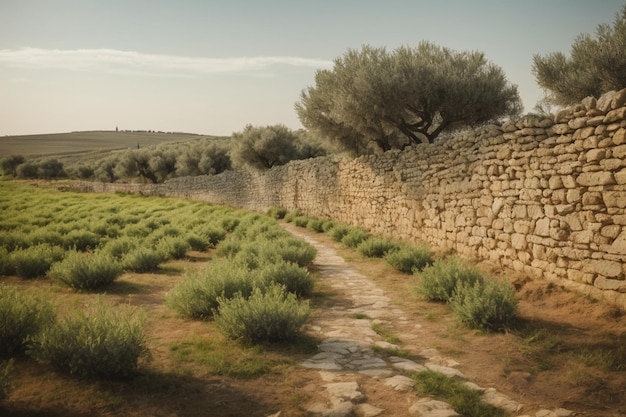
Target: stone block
595, 155
542, 227
615, 115
619, 245
610, 284
589, 179
609, 269
619, 137
614, 199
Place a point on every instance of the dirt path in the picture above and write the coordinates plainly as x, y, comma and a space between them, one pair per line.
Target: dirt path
360, 371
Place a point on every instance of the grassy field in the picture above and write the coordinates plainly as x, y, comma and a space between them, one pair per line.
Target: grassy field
87, 145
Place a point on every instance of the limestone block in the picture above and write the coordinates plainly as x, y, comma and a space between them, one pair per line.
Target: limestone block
589, 179
595, 120
582, 237
619, 99
612, 164
603, 283
610, 269
620, 177
619, 137
614, 199
604, 102
542, 227
573, 195
568, 181
592, 198
518, 241
579, 122
619, 244
535, 211
595, 155
615, 115
589, 102
555, 182
619, 151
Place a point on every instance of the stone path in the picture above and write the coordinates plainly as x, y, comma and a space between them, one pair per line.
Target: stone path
347, 353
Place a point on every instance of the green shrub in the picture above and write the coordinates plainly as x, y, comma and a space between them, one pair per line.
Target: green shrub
315, 225
35, 261
489, 305
293, 278
277, 212
271, 315
408, 259
81, 240
45, 235
119, 247
327, 226
86, 271
439, 280
23, 314
338, 232
376, 247
212, 234
289, 217
142, 260
289, 249
173, 247
197, 242
5, 262
354, 237
102, 340
197, 296
228, 248
230, 223
301, 221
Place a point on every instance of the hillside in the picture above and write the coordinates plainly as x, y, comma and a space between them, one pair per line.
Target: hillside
87, 144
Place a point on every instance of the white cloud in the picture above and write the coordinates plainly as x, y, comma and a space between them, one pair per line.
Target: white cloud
129, 62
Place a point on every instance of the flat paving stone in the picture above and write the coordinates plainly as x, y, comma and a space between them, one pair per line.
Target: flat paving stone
427, 407
400, 383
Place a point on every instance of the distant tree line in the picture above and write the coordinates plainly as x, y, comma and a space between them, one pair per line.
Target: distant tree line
253, 148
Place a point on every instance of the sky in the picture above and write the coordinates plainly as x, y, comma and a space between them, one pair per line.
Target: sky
212, 67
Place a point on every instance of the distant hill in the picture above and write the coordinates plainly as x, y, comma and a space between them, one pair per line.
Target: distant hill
66, 144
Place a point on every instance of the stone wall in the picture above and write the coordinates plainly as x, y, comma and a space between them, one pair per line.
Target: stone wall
545, 197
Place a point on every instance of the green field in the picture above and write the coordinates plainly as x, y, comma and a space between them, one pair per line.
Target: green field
87, 145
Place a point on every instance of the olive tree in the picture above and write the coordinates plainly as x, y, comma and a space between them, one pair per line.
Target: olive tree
203, 159
595, 65
264, 147
10, 163
391, 100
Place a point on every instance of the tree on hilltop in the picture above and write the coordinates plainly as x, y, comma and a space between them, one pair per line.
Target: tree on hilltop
374, 99
595, 65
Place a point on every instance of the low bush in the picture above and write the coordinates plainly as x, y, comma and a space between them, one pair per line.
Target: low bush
86, 271
5, 262
376, 247
338, 232
197, 296
277, 213
409, 259
289, 249
23, 314
271, 315
212, 234
102, 341
293, 278
354, 237
119, 247
81, 240
172, 247
142, 260
289, 217
228, 248
439, 280
489, 305
230, 223
301, 221
315, 225
35, 261
197, 242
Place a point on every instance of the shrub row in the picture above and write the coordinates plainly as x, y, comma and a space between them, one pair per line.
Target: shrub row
477, 302
101, 340
252, 290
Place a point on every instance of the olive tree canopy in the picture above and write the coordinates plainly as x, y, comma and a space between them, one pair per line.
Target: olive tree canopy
406, 97
595, 65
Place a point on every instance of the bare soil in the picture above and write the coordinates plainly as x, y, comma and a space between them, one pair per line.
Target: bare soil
539, 363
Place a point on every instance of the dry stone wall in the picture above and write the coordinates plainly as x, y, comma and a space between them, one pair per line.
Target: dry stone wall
543, 196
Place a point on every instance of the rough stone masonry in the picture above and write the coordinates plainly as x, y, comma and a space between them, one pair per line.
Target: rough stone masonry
545, 196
